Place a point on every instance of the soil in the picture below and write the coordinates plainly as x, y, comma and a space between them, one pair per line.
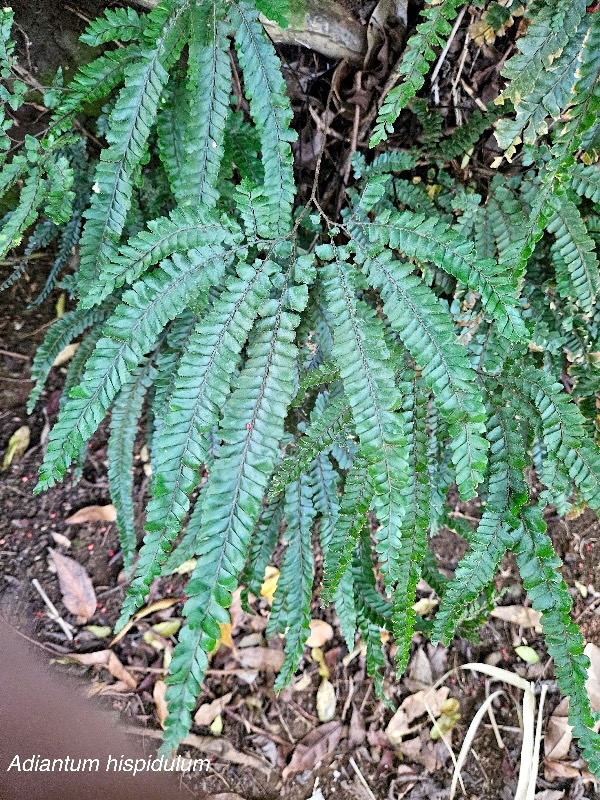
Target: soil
256, 722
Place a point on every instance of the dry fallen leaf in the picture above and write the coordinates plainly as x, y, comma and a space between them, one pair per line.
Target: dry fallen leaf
558, 737
315, 746
107, 513
75, 585
320, 633
550, 794
61, 540
422, 750
519, 615
425, 606
66, 354
412, 707
261, 658
107, 659
592, 685
326, 701
160, 701
208, 712
17, 445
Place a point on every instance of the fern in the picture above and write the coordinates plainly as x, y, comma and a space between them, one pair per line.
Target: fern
321, 368
414, 63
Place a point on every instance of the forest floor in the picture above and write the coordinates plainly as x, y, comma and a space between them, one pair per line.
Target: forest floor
264, 746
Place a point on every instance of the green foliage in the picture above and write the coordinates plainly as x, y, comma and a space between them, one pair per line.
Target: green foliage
307, 379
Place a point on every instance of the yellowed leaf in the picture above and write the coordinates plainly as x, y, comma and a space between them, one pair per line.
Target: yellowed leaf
216, 726
160, 701
523, 616
75, 585
99, 631
65, 355
528, 654
186, 567
450, 715
425, 606
107, 513
208, 712
167, 628
267, 590
17, 445
320, 633
326, 701
159, 605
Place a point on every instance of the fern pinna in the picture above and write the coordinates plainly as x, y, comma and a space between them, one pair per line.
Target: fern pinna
301, 373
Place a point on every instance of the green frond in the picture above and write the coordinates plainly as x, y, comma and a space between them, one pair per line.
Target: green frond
585, 181
415, 524
272, 115
262, 545
187, 548
323, 373
92, 82
296, 578
361, 355
130, 332
171, 119
539, 569
31, 198
200, 389
414, 63
59, 192
252, 428
129, 127
349, 522
548, 95
318, 436
60, 334
123, 426
430, 239
279, 10
180, 232
208, 86
577, 250
117, 24
464, 138
428, 334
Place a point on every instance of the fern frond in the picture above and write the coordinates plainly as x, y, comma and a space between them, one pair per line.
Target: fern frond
209, 86
271, 112
130, 332
413, 533
199, 391
585, 181
319, 435
297, 574
117, 24
414, 63
577, 250
538, 566
187, 548
170, 121
32, 195
60, 334
123, 426
262, 545
130, 122
252, 428
324, 373
427, 333
180, 232
361, 355
430, 239
350, 521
